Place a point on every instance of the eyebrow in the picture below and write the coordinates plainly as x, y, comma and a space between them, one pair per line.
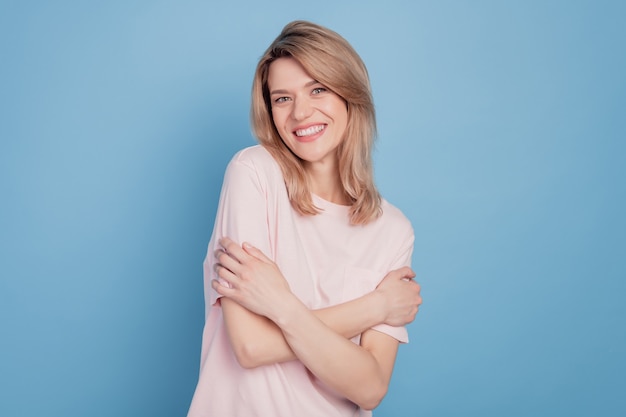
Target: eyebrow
309, 84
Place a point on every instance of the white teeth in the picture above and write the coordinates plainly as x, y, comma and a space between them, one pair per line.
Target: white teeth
310, 131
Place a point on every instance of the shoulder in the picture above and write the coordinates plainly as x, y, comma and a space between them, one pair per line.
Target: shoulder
254, 160
394, 229
254, 167
396, 235
393, 218
254, 156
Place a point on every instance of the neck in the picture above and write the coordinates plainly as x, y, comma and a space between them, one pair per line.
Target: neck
325, 183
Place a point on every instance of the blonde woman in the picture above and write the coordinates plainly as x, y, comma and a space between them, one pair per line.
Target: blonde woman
307, 278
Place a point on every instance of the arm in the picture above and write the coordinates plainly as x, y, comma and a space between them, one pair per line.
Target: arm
259, 341
245, 201
360, 373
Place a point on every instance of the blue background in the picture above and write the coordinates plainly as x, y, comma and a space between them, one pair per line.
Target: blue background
501, 137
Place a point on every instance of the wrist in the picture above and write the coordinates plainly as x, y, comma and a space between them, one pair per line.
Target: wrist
378, 305
286, 311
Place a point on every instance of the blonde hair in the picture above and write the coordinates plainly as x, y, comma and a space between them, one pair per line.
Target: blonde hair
329, 59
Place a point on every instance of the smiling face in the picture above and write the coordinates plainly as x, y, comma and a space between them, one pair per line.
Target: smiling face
310, 119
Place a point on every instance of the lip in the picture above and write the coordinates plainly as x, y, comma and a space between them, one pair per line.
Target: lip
309, 138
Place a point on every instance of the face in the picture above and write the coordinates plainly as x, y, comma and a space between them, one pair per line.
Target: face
310, 119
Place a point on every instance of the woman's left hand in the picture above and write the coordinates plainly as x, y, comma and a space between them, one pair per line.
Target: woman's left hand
256, 282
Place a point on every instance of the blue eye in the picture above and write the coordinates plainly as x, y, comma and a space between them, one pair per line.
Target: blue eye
281, 100
318, 90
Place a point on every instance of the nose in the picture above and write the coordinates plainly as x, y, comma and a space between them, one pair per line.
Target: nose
302, 108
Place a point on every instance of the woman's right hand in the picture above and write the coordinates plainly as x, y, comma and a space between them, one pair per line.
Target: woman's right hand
401, 296
255, 282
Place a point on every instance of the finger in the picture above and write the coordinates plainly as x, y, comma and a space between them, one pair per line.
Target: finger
405, 273
222, 289
409, 273
227, 261
227, 275
233, 249
253, 251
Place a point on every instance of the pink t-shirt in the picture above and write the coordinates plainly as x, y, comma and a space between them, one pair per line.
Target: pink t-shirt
326, 261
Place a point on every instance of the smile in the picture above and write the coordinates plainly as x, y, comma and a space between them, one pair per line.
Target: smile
310, 130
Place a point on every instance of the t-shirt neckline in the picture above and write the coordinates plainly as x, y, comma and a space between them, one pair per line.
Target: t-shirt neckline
330, 207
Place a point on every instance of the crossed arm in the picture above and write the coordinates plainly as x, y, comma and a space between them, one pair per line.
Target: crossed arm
268, 324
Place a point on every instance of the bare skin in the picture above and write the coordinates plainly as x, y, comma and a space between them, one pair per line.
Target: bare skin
268, 324
265, 321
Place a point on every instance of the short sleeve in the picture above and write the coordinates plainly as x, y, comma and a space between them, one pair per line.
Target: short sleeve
403, 258
241, 216
405, 252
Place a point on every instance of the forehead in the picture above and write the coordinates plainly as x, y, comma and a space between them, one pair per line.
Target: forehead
287, 73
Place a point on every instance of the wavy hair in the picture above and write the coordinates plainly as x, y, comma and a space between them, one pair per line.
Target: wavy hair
330, 59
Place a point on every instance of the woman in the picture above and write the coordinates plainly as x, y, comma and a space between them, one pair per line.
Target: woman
307, 281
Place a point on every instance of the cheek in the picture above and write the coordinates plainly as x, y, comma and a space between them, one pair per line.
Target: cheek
282, 126
279, 125
278, 119
339, 109
342, 115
